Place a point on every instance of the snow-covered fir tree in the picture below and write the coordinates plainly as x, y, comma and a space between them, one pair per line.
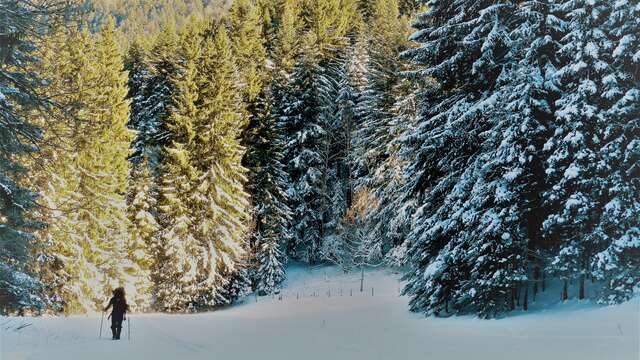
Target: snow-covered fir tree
374, 160
139, 73
268, 185
204, 206
267, 180
174, 270
305, 137
88, 235
591, 164
351, 80
150, 93
617, 265
475, 164
144, 226
221, 202
20, 92
178, 254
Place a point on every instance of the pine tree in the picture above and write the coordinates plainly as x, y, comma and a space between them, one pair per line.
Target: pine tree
248, 47
150, 92
477, 167
328, 24
375, 159
178, 254
384, 42
270, 273
88, 238
592, 194
174, 270
139, 74
20, 93
266, 178
58, 250
221, 203
104, 170
144, 231
617, 266
350, 85
304, 129
286, 41
267, 185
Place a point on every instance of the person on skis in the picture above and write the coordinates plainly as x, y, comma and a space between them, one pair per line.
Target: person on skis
118, 314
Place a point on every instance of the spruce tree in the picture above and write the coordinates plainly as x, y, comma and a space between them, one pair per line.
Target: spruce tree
139, 74
305, 143
175, 255
20, 93
151, 90
88, 238
350, 86
221, 202
375, 157
248, 47
591, 161
617, 266
104, 170
267, 180
476, 164
59, 251
144, 226
178, 254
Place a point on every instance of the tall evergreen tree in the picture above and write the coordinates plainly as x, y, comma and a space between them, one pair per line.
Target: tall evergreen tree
305, 144
144, 226
178, 253
248, 47
267, 180
150, 92
221, 202
88, 235
272, 213
592, 157
20, 93
477, 165
617, 266
350, 86
374, 160
204, 206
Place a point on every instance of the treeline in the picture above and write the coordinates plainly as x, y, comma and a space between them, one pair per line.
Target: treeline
146, 18
524, 163
490, 152
191, 166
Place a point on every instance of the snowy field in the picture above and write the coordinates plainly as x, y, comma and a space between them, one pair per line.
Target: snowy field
334, 325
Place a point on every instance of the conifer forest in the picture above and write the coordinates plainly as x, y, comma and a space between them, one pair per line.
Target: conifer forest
191, 150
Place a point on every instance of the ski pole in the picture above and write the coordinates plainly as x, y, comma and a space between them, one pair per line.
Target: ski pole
129, 328
101, 321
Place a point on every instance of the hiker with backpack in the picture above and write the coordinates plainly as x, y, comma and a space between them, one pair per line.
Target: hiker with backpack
119, 306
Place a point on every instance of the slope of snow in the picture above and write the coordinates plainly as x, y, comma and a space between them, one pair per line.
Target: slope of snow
318, 318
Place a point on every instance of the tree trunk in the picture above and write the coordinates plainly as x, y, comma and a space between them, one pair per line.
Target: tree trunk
525, 302
581, 294
565, 290
536, 277
512, 304
544, 283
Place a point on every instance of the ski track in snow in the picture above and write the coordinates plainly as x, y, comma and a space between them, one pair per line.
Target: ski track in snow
335, 325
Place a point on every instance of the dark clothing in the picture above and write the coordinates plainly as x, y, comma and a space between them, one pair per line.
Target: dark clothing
120, 308
116, 327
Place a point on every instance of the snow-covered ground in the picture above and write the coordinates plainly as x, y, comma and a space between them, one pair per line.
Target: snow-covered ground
335, 325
